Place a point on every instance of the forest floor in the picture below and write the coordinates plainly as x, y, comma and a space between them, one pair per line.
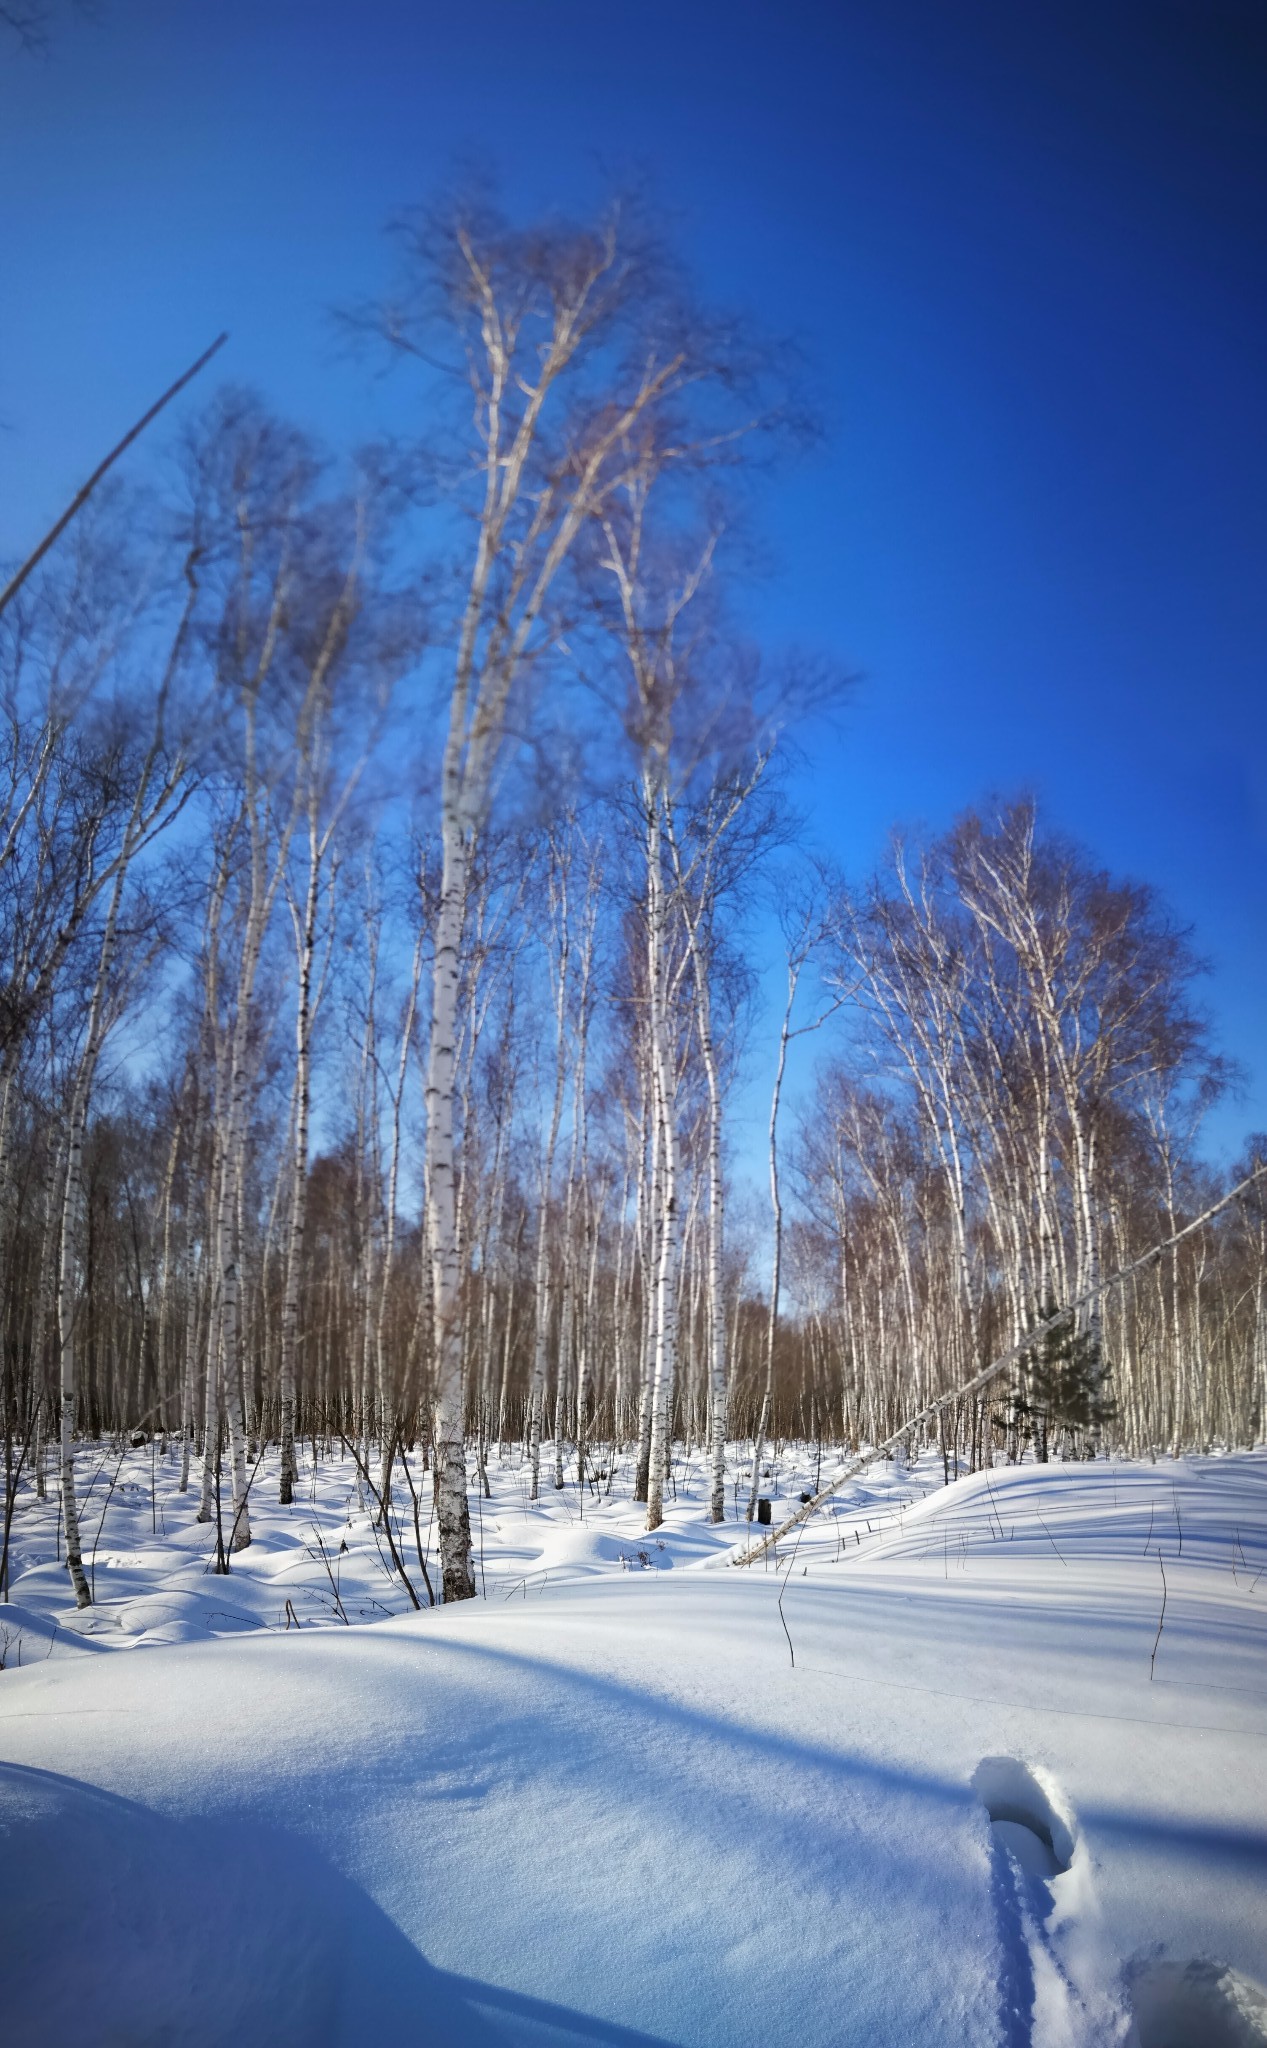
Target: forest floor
988, 1802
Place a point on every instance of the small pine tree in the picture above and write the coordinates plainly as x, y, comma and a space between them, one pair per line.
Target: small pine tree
1064, 1380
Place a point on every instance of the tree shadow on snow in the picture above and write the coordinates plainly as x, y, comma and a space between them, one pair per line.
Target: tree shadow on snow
118, 1924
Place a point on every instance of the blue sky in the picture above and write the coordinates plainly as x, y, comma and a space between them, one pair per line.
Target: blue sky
1024, 246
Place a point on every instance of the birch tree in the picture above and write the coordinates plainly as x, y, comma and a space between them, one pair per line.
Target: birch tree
158, 790
279, 636
567, 354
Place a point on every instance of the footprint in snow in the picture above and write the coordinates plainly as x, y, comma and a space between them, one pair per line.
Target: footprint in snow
1057, 1987
1045, 1906
1023, 1819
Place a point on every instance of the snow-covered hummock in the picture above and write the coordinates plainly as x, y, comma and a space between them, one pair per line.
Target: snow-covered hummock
602, 1805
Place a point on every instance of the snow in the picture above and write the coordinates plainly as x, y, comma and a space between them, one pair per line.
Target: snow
602, 1804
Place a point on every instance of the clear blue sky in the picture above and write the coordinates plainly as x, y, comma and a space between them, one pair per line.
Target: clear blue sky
1024, 242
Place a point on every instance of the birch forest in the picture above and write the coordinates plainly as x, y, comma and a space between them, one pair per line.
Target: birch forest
426, 1034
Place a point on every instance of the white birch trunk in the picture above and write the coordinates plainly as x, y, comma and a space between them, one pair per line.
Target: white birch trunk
452, 1508
664, 1075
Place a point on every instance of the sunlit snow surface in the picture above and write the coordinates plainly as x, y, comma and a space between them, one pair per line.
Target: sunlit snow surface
599, 1804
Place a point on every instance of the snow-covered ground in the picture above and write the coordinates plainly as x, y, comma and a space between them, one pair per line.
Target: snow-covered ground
324, 1557
987, 1803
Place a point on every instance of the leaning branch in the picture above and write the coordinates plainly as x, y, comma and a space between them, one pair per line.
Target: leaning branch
753, 1551
82, 496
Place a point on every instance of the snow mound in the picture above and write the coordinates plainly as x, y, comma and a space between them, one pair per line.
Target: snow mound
200, 1536
27, 1636
163, 1633
1201, 2004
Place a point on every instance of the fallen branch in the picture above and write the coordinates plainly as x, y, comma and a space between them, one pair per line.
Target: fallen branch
384, 1512
92, 1566
413, 1495
241, 1507
338, 1604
